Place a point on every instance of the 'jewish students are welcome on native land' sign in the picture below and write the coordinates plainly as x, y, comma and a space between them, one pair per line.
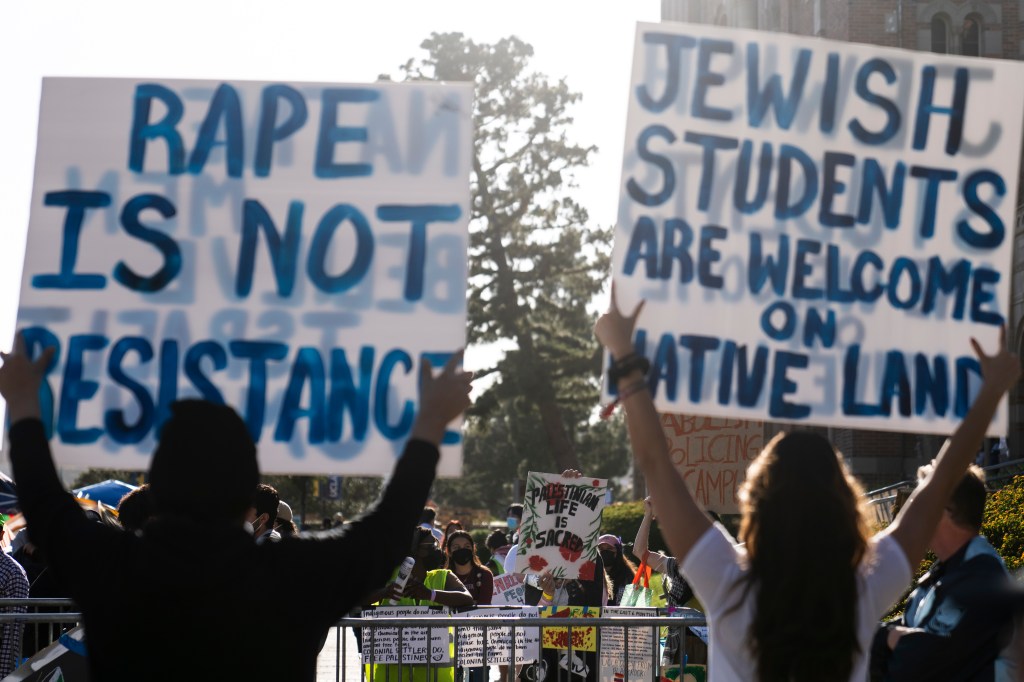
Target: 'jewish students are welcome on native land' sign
818, 228
295, 250
561, 524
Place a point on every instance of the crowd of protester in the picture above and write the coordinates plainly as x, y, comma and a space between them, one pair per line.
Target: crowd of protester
797, 596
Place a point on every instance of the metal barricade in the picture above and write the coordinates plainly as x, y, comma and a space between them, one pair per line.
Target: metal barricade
348, 663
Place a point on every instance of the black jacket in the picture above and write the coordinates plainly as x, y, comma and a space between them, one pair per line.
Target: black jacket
188, 602
965, 609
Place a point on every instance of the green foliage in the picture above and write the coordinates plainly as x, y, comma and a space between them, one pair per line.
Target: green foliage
1004, 523
623, 519
535, 263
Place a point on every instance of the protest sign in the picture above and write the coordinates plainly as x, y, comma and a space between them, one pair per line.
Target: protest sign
712, 455
508, 589
817, 227
386, 645
296, 250
561, 524
583, 638
499, 639
613, 648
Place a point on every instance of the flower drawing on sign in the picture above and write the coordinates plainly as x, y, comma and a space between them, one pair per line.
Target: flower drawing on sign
587, 571
537, 563
571, 548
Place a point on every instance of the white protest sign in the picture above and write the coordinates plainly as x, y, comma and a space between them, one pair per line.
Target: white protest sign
712, 455
508, 590
296, 250
561, 524
817, 227
499, 639
613, 647
382, 645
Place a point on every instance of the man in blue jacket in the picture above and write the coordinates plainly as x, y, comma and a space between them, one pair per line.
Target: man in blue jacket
959, 620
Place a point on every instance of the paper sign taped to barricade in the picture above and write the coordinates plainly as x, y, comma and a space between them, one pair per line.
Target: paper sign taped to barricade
712, 455
508, 590
295, 250
701, 631
613, 649
583, 638
561, 524
382, 645
499, 639
817, 227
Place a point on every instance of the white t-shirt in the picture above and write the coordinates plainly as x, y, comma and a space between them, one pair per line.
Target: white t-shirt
716, 564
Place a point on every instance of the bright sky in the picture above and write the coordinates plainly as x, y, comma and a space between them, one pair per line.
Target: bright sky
589, 44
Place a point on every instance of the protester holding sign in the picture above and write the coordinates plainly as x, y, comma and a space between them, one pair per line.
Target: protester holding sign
156, 605
764, 625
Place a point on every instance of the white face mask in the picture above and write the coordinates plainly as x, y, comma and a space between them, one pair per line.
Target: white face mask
248, 528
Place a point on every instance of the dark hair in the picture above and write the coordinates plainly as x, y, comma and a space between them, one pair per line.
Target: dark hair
620, 572
135, 508
495, 540
967, 504
515, 510
204, 463
467, 536
805, 612
266, 500
428, 515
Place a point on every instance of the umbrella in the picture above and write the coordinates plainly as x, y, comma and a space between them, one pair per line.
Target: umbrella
108, 492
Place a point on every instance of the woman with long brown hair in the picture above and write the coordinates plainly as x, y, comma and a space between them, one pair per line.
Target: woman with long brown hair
800, 601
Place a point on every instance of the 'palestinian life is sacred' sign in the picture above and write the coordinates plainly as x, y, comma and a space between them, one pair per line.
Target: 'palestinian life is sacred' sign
818, 228
296, 250
561, 524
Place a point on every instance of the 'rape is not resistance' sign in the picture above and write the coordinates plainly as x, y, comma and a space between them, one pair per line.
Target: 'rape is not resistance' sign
295, 250
818, 228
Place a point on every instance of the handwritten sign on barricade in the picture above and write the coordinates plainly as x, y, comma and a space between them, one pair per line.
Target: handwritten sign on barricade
817, 227
561, 524
382, 645
614, 652
701, 631
508, 589
267, 245
499, 639
583, 638
713, 454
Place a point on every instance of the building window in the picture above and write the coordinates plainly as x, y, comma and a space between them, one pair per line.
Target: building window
940, 34
970, 36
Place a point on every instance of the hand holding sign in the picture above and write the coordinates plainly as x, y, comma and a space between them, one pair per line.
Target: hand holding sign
21, 378
442, 398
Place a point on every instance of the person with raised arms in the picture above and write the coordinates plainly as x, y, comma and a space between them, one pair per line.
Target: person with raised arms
172, 604
800, 600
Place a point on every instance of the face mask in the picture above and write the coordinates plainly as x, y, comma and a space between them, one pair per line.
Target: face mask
513, 522
462, 556
608, 557
248, 528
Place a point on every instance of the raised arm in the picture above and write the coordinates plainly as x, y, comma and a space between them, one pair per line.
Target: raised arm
656, 560
682, 521
916, 523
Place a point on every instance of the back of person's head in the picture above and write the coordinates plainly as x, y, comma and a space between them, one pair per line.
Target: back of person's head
967, 505
135, 509
495, 540
205, 463
428, 515
266, 500
805, 532
515, 510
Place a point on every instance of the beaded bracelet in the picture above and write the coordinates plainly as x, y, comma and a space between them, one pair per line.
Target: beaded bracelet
625, 366
632, 389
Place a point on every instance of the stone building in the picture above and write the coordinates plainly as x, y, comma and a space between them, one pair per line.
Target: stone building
980, 28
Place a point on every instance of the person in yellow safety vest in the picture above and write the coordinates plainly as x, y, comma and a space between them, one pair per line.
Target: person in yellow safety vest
429, 584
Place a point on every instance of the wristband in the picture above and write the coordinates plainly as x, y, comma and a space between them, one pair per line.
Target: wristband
547, 597
433, 595
632, 389
626, 366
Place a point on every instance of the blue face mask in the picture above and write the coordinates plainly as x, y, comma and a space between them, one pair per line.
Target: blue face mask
513, 522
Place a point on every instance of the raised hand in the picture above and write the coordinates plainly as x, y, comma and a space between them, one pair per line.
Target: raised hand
615, 330
20, 379
442, 398
1001, 371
